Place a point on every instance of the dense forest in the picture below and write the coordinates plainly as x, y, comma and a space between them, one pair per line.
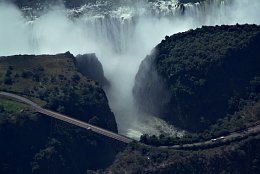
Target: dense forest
201, 76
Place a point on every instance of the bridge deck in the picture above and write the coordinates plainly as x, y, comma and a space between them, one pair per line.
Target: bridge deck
70, 120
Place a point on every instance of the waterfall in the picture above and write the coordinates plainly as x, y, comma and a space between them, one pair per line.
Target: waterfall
115, 24
113, 30
120, 35
118, 26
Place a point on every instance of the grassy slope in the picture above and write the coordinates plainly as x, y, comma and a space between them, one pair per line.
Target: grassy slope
11, 106
54, 82
27, 86
47, 68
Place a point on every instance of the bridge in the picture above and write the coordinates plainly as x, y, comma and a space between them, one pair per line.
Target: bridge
232, 137
68, 119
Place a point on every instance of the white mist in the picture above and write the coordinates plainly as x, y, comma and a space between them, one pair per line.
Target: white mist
120, 45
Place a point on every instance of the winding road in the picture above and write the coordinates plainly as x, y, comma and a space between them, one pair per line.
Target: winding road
68, 119
232, 137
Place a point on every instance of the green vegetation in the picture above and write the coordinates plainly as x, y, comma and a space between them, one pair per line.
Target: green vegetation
241, 120
206, 81
35, 143
241, 157
210, 86
11, 106
199, 76
55, 81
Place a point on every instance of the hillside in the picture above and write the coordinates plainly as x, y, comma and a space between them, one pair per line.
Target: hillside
55, 81
194, 78
35, 140
205, 81
240, 157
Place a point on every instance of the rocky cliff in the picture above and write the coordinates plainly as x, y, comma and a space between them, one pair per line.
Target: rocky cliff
194, 78
90, 66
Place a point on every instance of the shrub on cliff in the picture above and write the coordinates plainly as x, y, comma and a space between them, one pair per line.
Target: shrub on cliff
207, 73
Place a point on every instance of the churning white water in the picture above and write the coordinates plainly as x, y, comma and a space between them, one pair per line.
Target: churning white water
120, 37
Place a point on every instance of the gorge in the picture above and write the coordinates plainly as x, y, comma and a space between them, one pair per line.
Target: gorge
120, 33
181, 77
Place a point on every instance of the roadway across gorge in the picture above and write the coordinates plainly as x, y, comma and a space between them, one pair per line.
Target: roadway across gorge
235, 136
68, 119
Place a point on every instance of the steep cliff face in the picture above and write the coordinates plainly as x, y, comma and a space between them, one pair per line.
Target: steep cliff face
196, 77
41, 144
90, 66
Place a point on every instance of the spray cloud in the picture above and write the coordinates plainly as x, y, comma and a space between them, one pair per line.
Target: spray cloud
119, 42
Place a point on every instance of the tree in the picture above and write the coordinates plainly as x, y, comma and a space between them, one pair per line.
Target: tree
8, 81
94, 121
2, 109
8, 73
75, 78
26, 74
